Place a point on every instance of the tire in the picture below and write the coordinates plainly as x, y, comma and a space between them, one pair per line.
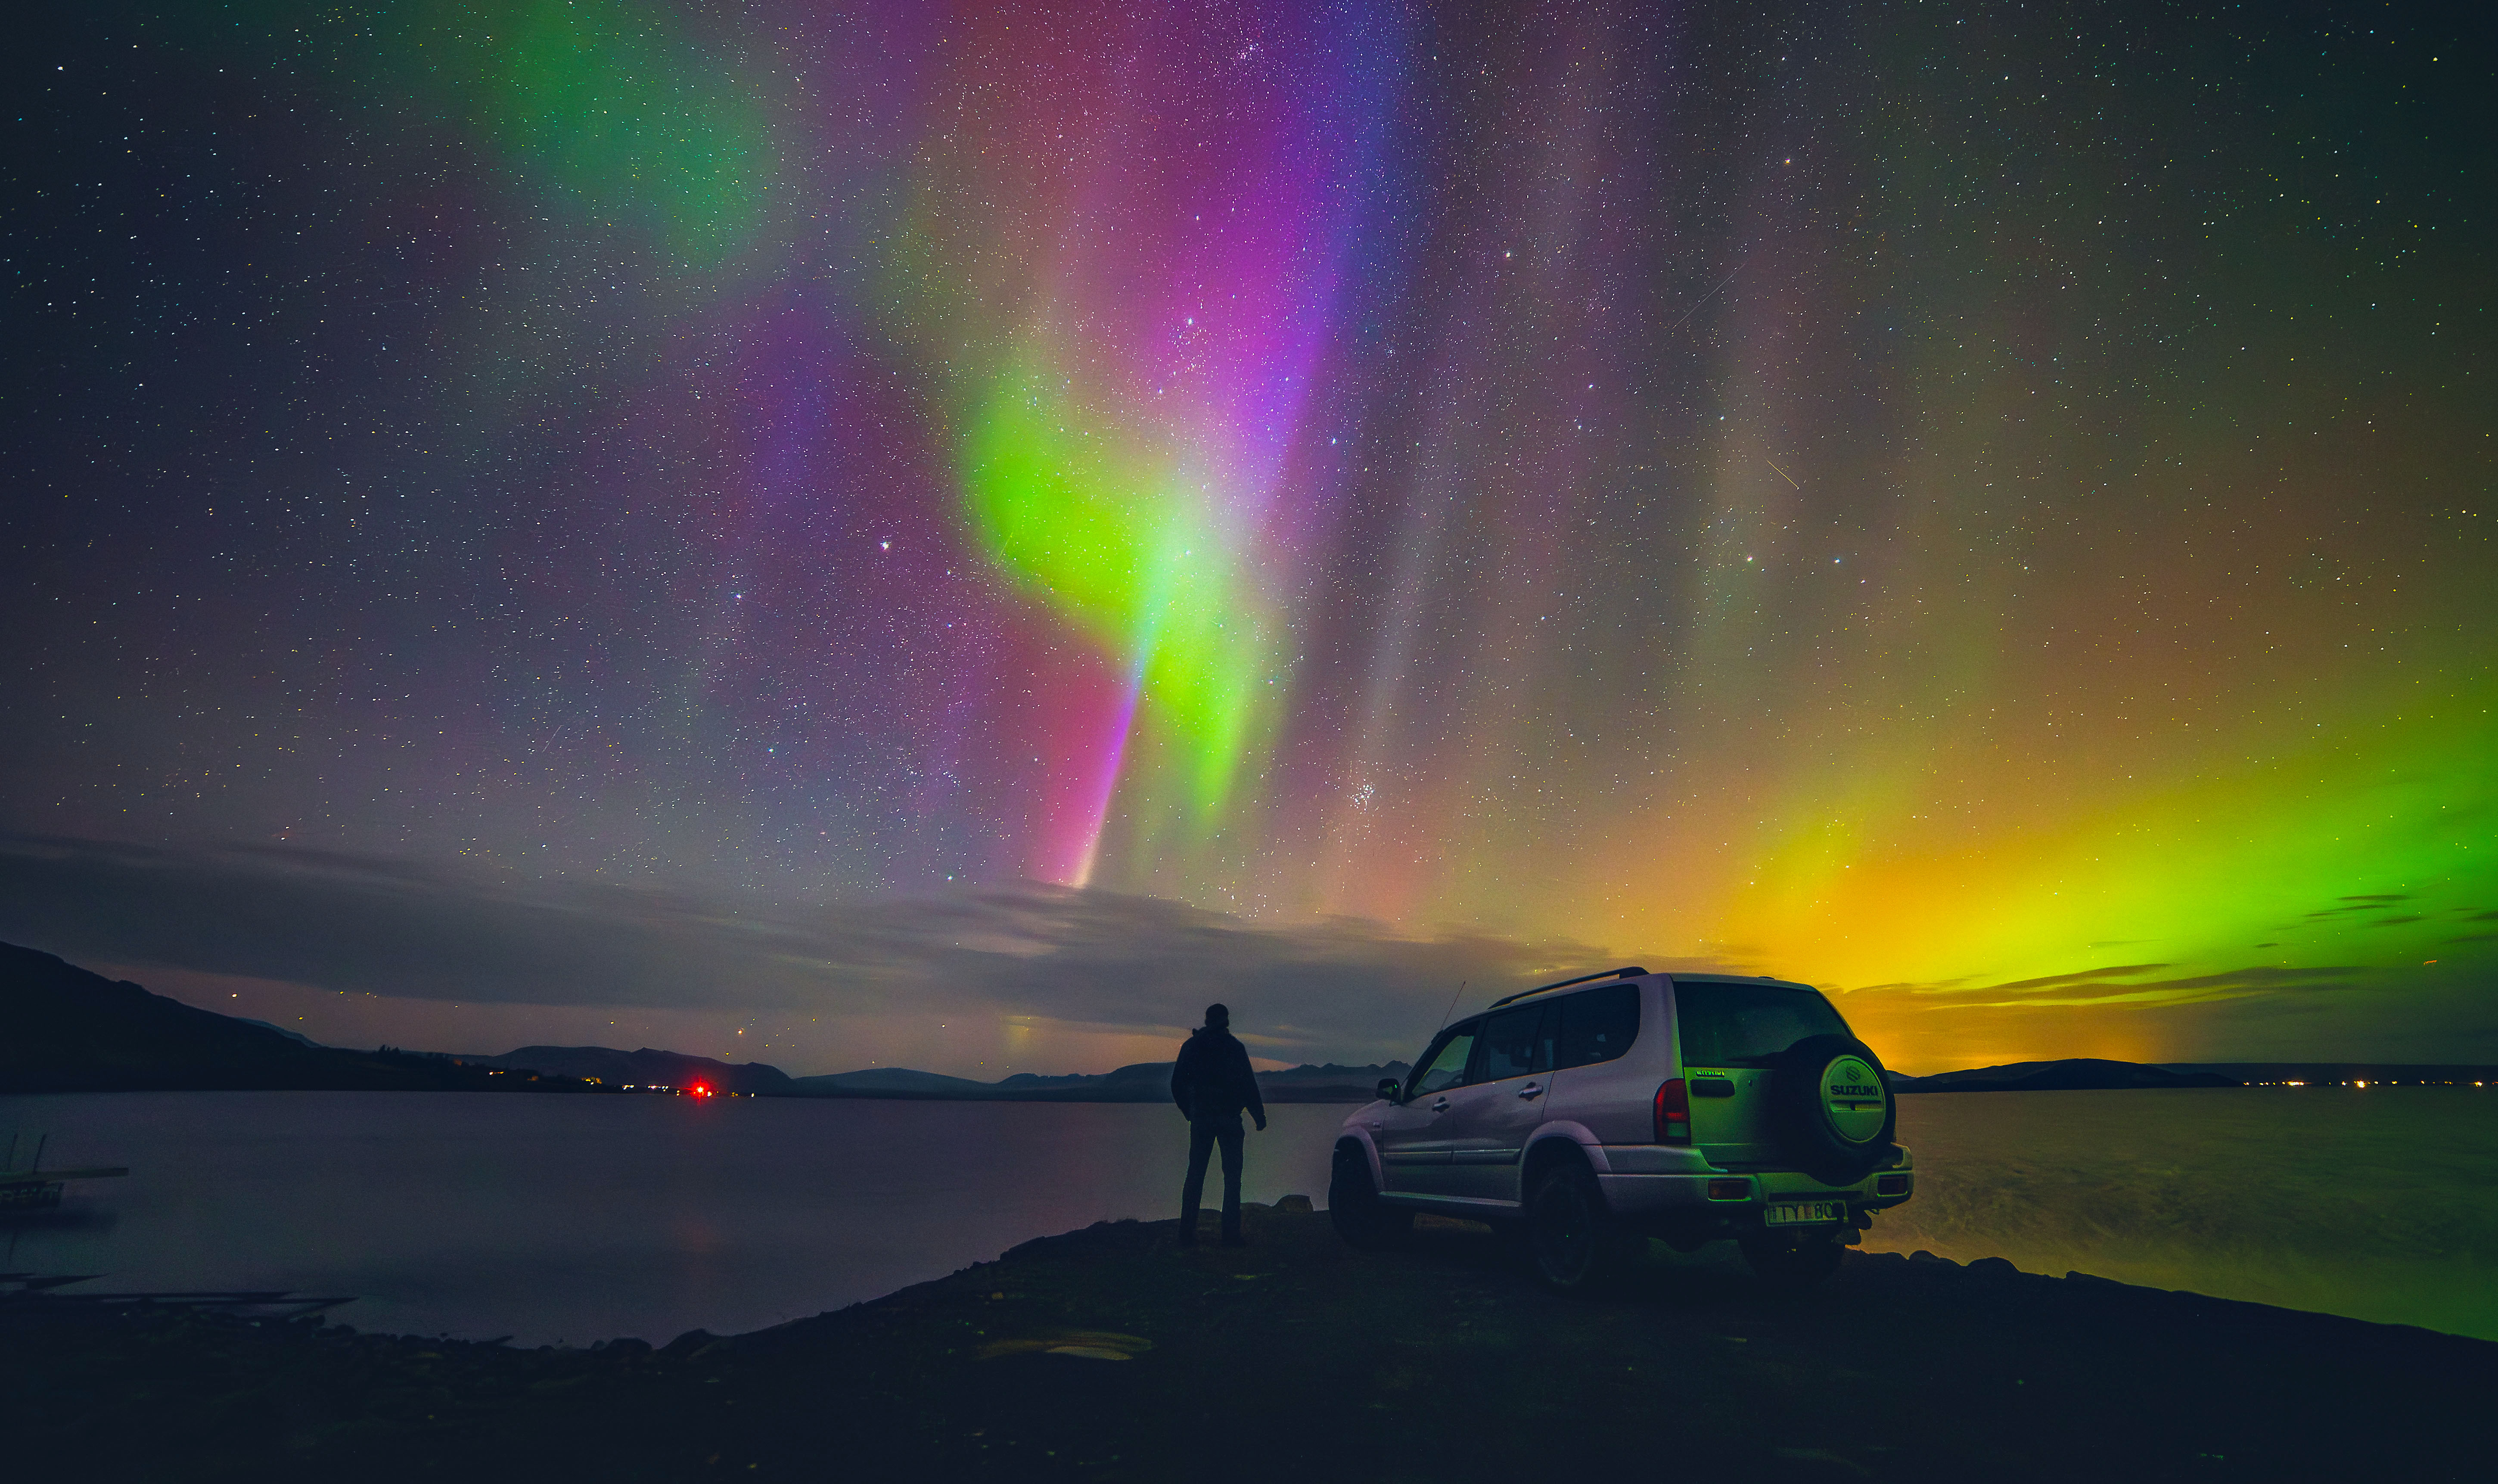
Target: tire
1793, 1267
1572, 1236
1838, 1141
1360, 1217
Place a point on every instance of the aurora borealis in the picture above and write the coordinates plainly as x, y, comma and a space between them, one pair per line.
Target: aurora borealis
1986, 509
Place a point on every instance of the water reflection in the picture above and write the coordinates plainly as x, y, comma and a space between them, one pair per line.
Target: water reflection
577, 1219
574, 1219
2380, 1205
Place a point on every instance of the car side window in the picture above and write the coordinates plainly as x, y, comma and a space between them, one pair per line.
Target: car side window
1516, 1043
1596, 1025
1444, 1066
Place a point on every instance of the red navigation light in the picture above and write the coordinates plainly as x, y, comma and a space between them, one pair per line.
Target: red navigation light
702, 1089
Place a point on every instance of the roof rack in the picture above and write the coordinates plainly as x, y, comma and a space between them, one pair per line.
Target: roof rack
1634, 971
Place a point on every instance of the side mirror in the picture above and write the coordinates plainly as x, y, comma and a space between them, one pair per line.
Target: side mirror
1387, 1090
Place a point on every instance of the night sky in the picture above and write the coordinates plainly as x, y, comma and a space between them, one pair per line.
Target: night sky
954, 535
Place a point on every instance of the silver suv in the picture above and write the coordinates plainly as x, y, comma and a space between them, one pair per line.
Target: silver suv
1583, 1115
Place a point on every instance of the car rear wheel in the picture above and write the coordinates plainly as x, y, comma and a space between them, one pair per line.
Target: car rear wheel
1353, 1207
1791, 1266
1573, 1237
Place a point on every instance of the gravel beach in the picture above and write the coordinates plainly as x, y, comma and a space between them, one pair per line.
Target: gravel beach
1111, 1353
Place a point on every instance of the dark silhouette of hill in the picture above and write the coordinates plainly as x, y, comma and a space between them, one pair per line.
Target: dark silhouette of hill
889, 1082
2073, 1075
644, 1068
1322, 1082
1143, 1081
2391, 1073
64, 1029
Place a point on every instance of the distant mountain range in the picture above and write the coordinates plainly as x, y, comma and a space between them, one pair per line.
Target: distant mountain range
2074, 1075
64, 1029
1143, 1081
2255, 1074
644, 1068
2085, 1074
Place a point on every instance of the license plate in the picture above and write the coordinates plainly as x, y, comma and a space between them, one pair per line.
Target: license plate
1802, 1213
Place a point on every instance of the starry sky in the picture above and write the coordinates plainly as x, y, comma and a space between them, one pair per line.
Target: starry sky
953, 534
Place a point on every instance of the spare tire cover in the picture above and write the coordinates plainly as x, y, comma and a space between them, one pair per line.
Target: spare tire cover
1834, 1114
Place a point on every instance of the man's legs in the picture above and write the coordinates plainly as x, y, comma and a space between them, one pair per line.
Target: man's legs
1201, 1143
1228, 1133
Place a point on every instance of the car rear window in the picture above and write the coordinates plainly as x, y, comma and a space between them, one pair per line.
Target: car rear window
1596, 1025
1746, 1026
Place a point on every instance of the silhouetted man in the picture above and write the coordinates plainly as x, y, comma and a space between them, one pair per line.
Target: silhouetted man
1212, 1083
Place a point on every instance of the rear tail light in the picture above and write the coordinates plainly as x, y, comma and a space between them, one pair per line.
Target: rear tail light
1891, 1184
1729, 1190
1673, 1113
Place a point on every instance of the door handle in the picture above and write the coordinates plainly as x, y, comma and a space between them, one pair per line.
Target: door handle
1442, 1106
1530, 1091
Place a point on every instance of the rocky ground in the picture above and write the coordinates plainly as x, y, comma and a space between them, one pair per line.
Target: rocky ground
1111, 1353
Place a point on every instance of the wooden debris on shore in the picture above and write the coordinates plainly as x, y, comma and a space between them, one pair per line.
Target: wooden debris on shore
33, 1298
36, 1188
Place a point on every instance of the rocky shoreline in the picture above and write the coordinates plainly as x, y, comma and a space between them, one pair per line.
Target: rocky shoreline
1111, 1353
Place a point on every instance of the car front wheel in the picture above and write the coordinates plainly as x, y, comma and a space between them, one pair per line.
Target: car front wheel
1353, 1207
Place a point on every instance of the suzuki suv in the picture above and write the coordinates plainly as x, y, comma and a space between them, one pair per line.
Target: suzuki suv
1586, 1114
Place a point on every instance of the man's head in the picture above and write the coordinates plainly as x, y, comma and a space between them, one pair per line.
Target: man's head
1218, 1016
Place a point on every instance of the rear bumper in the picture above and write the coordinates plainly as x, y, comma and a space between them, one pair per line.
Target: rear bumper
1690, 1199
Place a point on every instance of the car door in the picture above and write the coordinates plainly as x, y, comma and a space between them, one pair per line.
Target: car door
1593, 1084
1501, 1104
1413, 1134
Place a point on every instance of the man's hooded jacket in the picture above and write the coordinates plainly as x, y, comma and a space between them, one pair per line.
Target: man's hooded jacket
1212, 1077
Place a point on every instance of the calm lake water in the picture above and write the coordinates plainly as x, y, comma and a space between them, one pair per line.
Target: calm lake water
569, 1219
